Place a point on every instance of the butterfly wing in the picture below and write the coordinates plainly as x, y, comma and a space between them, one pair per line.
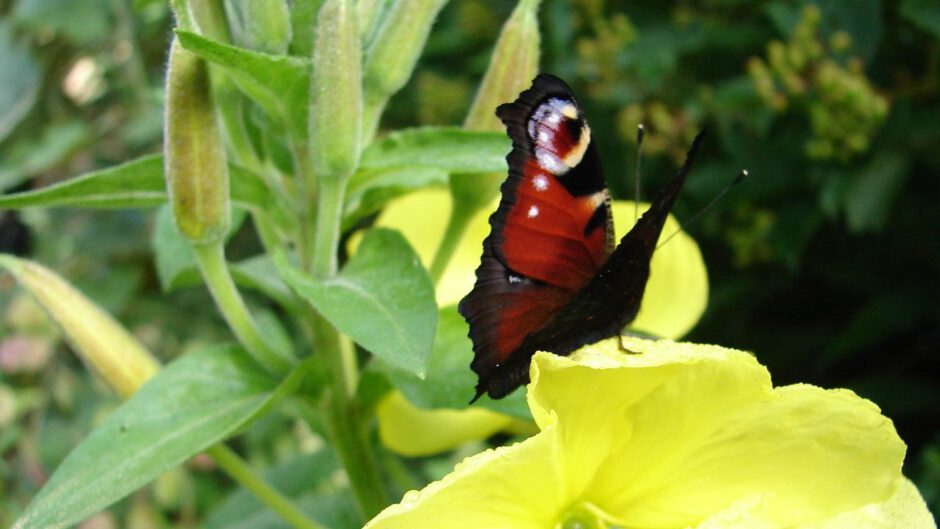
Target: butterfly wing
550, 235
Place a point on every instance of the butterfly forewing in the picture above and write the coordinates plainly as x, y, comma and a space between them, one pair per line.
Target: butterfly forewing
551, 233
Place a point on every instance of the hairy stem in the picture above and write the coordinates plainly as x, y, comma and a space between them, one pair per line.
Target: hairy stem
211, 259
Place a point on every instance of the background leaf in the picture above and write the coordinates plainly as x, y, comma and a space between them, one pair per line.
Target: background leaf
20, 85
188, 406
383, 299
450, 149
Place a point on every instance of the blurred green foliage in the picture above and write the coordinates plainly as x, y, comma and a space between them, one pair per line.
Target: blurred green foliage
826, 262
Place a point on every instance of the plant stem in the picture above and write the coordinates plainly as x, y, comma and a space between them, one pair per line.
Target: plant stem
343, 413
460, 216
211, 259
245, 476
345, 425
306, 185
330, 193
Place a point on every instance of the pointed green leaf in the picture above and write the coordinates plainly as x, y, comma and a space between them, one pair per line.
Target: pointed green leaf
278, 83
383, 299
138, 183
187, 407
450, 149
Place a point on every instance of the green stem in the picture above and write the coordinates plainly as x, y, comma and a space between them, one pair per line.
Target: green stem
460, 216
330, 194
211, 259
343, 414
245, 476
372, 109
344, 419
306, 185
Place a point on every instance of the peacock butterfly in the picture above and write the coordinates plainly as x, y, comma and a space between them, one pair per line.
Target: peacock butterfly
551, 278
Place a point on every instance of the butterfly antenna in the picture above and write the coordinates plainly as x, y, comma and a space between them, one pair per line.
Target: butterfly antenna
737, 180
639, 157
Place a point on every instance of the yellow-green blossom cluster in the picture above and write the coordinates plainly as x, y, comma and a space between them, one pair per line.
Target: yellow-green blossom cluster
843, 107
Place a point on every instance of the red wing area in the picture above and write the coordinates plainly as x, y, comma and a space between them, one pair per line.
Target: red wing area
553, 223
550, 235
544, 234
502, 310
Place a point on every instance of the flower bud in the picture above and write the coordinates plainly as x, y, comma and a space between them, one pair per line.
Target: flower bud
105, 346
394, 52
336, 91
195, 168
513, 65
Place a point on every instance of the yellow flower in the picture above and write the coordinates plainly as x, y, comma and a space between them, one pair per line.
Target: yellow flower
675, 299
676, 435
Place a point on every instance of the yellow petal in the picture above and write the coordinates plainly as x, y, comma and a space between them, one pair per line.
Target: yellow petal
688, 431
412, 431
905, 509
512, 487
677, 291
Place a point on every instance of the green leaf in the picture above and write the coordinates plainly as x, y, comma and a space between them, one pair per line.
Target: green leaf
447, 148
370, 190
303, 18
278, 83
870, 195
923, 13
259, 273
20, 85
173, 254
449, 381
187, 407
30, 156
138, 183
383, 299
83, 23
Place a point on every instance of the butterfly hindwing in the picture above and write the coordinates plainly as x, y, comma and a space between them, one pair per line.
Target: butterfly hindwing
552, 230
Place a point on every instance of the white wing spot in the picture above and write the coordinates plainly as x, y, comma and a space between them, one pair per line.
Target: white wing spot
514, 280
540, 183
533, 212
550, 162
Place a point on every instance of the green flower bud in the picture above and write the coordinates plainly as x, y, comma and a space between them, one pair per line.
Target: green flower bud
336, 91
513, 65
393, 54
267, 25
102, 343
195, 167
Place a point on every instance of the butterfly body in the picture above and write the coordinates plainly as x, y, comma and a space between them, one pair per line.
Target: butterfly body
550, 278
